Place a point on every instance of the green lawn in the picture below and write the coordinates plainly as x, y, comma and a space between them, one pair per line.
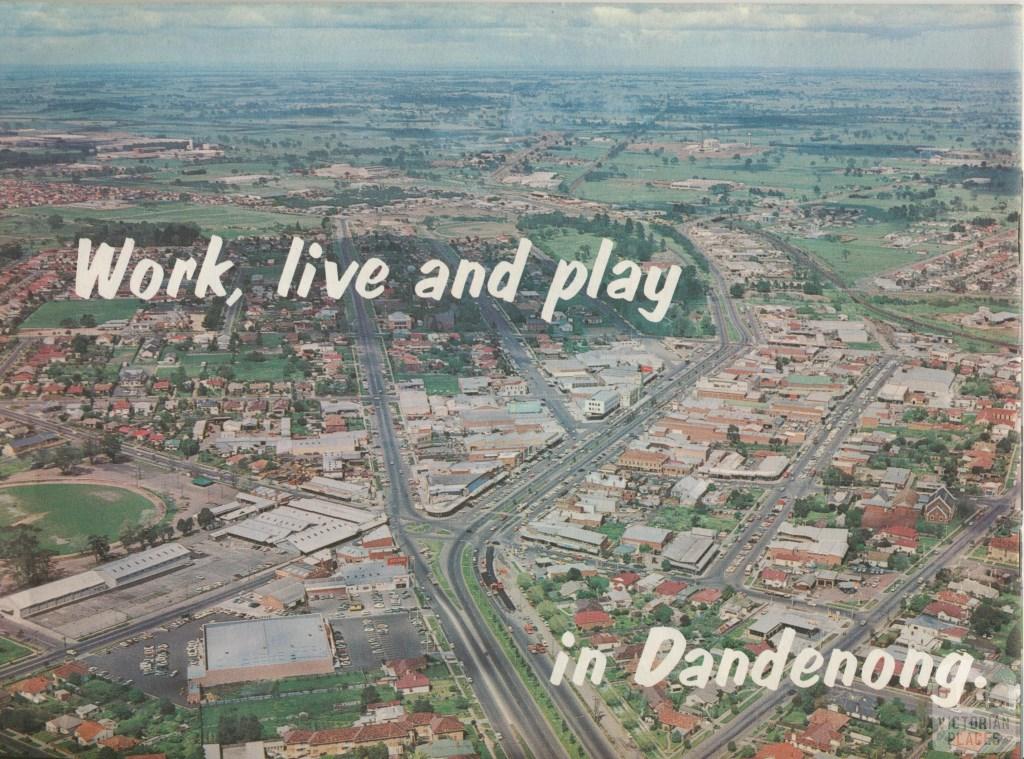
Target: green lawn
243, 369
10, 651
437, 384
336, 706
67, 513
50, 315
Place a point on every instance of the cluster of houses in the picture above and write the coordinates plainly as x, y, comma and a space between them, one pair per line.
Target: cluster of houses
79, 724
985, 261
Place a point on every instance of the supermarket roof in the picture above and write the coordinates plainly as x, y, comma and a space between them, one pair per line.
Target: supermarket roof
266, 642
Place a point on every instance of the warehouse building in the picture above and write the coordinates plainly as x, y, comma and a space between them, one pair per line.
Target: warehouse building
692, 551
133, 568
566, 536
266, 649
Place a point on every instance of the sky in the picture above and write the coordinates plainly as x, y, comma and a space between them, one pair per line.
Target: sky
347, 36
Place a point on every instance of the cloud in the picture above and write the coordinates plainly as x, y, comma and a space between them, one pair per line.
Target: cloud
628, 35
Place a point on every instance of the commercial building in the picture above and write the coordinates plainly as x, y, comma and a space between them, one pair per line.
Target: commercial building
774, 622
566, 536
266, 649
600, 404
798, 545
692, 551
281, 594
654, 538
366, 576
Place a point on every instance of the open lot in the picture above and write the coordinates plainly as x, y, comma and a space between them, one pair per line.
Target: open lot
51, 314
10, 650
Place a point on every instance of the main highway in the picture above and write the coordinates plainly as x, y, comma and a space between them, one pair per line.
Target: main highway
504, 698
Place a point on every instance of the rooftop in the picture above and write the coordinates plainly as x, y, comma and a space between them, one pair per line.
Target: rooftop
266, 642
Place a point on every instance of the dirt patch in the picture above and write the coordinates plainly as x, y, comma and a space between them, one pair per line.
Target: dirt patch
30, 519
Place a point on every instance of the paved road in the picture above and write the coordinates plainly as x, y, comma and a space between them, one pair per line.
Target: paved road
816, 453
512, 503
505, 700
513, 347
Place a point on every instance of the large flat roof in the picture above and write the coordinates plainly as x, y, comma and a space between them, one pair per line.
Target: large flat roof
54, 591
143, 561
266, 642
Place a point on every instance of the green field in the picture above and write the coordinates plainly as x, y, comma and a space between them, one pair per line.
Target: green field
11, 651
243, 369
67, 513
864, 256
224, 220
50, 315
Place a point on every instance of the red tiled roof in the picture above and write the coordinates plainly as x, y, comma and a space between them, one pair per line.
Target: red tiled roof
706, 596
626, 578
1007, 543
119, 742
779, 751
64, 671
670, 717
935, 608
588, 618
445, 725
412, 679
671, 588
88, 730
31, 685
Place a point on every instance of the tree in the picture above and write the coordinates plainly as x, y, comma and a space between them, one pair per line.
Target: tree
834, 477
802, 507
205, 517
186, 526
898, 561
988, 619
99, 545
736, 290
662, 614
90, 449
110, 444
732, 434
67, 458
166, 707
890, 714
31, 563
369, 695
1013, 642
130, 534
